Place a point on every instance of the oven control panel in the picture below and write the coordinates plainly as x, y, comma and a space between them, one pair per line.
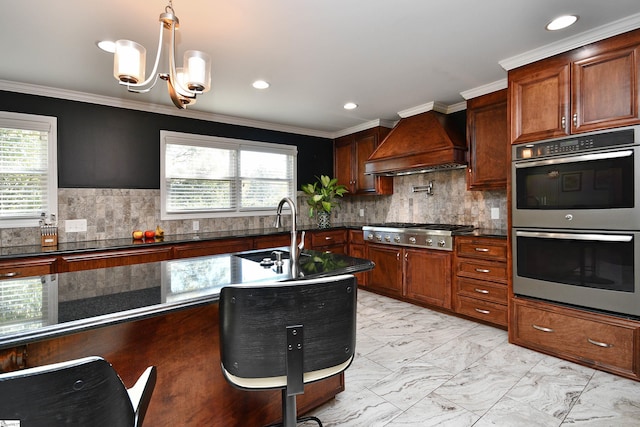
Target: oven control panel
576, 144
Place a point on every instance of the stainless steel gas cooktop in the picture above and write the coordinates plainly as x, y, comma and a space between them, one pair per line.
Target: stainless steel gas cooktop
432, 236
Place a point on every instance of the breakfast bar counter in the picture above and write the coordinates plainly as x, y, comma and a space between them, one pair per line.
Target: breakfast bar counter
158, 313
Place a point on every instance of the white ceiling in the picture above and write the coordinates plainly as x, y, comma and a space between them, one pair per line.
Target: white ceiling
388, 56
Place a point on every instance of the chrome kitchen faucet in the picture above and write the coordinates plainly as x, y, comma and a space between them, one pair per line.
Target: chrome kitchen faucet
295, 248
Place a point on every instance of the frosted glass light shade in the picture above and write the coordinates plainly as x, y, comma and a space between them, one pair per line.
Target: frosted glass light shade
197, 66
129, 61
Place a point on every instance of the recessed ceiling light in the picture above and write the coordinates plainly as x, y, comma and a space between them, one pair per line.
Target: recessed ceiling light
107, 46
350, 105
260, 84
561, 22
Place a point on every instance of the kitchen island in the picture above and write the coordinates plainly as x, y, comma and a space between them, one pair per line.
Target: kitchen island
161, 313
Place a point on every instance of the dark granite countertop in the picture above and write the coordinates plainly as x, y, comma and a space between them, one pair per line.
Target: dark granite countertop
125, 243
44, 307
486, 232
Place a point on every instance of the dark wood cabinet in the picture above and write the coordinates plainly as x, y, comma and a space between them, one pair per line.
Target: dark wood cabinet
427, 277
349, 156
480, 283
488, 139
334, 241
416, 275
272, 241
539, 98
25, 267
605, 89
386, 276
590, 88
604, 342
212, 247
113, 258
357, 250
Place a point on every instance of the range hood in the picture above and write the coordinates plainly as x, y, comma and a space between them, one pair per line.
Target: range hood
422, 143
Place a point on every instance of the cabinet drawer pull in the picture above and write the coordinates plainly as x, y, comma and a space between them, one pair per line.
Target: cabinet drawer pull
542, 328
483, 270
599, 344
328, 238
481, 291
10, 274
482, 249
483, 311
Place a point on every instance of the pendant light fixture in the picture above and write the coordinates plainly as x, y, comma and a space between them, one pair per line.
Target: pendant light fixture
184, 83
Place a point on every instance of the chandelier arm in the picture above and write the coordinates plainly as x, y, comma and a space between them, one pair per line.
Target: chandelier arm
173, 75
153, 77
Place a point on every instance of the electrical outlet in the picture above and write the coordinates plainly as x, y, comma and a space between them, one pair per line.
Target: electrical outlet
196, 225
361, 212
75, 225
495, 213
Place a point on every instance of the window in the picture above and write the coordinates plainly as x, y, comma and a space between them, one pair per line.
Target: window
206, 176
28, 169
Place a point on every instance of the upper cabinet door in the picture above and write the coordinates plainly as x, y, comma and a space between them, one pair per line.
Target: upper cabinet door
342, 161
364, 146
605, 90
350, 153
539, 99
591, 88
488, 140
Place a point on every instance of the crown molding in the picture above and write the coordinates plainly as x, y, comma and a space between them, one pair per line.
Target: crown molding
484, 89
89, 98
620, 26
364, 126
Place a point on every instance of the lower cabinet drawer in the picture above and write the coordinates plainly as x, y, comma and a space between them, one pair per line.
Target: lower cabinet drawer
489, 291
481, 269
484, 310
26, 268
604, 342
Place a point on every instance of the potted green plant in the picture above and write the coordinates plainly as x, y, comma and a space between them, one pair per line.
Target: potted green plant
322, 198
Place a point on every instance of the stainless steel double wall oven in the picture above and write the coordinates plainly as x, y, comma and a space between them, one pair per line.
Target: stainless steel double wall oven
576, 220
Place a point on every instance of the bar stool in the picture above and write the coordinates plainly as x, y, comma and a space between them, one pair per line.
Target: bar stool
284, 335
82, 392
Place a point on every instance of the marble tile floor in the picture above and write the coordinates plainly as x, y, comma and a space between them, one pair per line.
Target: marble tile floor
418, 367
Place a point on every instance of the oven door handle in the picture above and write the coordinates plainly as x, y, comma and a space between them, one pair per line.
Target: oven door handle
573, 159
571, 236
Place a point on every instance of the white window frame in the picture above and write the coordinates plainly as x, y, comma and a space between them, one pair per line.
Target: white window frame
225, 143
40, 123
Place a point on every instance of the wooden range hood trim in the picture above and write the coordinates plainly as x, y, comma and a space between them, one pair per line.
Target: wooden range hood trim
425, 141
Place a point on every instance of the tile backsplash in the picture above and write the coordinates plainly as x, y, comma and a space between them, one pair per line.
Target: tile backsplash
115, 213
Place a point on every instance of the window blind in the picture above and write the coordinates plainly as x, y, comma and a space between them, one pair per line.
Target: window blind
204, 176
28, 173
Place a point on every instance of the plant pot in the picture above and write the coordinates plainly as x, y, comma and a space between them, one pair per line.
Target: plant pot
324, 219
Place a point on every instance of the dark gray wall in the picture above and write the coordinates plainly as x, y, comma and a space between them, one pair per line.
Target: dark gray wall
108, 147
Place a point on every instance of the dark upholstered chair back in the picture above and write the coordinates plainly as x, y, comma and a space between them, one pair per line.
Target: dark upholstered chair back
82, 392
286, 334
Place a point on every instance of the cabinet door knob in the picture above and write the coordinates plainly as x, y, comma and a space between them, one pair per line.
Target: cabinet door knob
575, 119
563, 122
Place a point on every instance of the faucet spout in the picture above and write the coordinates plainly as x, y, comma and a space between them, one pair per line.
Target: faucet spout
294, 247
